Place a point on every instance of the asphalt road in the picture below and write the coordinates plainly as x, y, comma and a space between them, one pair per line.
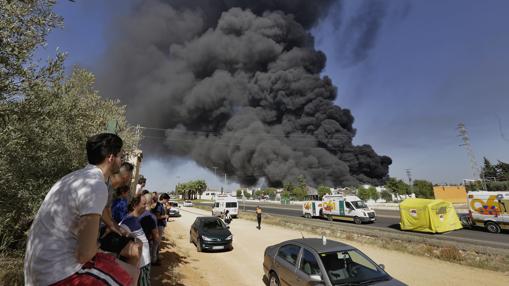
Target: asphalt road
389, 220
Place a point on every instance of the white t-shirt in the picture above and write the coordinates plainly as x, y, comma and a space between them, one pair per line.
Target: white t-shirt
132, 224
51, 248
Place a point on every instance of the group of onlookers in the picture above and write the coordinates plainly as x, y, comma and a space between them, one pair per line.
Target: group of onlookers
90, 230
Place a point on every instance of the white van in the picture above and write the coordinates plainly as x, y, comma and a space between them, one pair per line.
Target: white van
223, 203
489, 210
349, 208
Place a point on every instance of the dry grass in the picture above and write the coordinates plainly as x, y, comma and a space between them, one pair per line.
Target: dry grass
11, 271
445, 252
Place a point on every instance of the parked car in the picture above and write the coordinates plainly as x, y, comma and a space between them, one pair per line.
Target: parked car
313, 261
174, 204
188, 204
174, 212
210, 233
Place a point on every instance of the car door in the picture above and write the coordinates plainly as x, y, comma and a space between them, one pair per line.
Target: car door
350, 210
194, 230
285, 263
308, 266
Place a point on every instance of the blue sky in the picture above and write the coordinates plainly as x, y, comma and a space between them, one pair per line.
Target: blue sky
433, 65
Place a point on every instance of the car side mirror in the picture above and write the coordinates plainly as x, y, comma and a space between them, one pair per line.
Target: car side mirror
315, 278
382, 266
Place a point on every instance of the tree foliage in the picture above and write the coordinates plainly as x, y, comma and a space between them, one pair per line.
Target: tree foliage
397, 187
367, 193
322, 191
191, 189
423, 189
45, 118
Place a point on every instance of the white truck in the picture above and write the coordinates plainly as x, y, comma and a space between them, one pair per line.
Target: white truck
489, 210
349, 208
223, 203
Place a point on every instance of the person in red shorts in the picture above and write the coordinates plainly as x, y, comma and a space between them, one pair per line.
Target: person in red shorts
62, 246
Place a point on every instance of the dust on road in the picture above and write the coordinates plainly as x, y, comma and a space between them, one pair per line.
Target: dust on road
183, 265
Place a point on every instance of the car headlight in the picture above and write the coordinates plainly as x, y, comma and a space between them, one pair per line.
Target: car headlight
229, 237
206, 238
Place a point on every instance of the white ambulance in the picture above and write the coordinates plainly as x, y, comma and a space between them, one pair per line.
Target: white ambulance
349, 208
223, 203
489, 210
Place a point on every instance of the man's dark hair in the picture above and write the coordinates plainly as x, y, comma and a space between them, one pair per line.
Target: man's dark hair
164, 196
100, 146
122, 190
142, 180
127, 166
144, 192
134, 202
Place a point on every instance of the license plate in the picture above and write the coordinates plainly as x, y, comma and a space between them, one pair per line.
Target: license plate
218, 247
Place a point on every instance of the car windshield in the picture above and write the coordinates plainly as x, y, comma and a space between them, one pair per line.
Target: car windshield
359, 205
214, 224
351, 267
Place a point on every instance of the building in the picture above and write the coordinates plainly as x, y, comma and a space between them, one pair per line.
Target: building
210, 194
453, 194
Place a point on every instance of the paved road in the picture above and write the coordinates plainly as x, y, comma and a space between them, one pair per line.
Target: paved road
389, 220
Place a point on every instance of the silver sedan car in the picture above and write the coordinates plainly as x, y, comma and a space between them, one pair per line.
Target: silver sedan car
314, 261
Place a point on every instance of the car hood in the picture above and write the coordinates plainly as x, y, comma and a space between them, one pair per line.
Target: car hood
216, 233
392, 282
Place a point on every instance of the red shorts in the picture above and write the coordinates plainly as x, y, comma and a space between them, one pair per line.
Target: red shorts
101, 270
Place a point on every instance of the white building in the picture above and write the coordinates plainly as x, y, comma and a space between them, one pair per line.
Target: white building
210, 195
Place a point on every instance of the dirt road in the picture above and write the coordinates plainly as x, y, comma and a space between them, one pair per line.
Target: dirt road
183, 265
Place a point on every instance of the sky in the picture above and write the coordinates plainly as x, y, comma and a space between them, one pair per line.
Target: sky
432, 65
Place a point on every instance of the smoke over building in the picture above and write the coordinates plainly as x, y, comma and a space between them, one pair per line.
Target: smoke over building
238, 85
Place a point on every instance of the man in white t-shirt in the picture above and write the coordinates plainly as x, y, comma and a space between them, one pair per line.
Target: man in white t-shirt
62, 247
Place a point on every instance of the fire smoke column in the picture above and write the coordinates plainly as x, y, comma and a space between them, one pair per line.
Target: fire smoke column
239, 88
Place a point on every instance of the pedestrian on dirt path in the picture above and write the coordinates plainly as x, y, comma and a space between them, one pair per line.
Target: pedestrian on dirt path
259, 216
227, 217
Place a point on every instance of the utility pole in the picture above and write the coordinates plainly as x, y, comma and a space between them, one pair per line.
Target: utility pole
409, 175
463, 133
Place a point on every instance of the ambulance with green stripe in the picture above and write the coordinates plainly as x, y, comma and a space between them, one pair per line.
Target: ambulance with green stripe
347, 208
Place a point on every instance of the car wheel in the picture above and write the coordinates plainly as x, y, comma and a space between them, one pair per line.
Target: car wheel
198, 245
273, 279
357, 220
492, 227
307, 216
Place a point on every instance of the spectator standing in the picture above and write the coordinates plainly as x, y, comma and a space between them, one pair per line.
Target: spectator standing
259, 216
148, 222
160, 212
120, 180
62, 246
119, 206
131, 223
141, 185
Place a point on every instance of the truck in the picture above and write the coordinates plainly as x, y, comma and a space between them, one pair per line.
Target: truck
223, 203
489, 210
340, 207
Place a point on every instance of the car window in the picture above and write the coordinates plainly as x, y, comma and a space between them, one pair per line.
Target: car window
361, 260
289, 253
308, 263
348, 205
231, 205
216, 205
213, 224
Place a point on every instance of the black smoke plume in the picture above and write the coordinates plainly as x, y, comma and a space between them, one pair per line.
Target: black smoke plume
238, 85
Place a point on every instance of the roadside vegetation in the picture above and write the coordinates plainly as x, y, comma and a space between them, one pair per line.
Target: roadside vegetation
45, 119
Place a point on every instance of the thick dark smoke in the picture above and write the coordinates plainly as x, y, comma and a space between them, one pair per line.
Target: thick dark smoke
238, 85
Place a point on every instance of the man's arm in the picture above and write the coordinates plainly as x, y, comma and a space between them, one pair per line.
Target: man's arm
107, 218
88, 230
155, 234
